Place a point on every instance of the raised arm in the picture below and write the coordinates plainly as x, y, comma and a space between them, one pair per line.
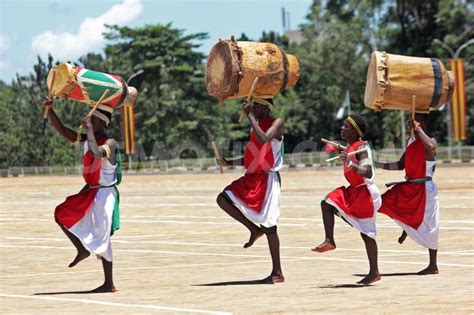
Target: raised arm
430, 144
67, 133
274, 132
106, 150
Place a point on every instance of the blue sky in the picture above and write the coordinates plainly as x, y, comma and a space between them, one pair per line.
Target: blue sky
68, 28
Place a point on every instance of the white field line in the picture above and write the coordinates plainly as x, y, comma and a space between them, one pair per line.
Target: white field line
123, 305
227, 222
119, 240
380, 221
148, 251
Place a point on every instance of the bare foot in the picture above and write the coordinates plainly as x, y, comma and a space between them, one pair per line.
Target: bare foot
105, 288
272, 279
370, 278
429, 271
79, 257
253, 237
402, 238
324, 247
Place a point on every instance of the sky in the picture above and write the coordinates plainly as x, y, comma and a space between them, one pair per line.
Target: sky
70, 28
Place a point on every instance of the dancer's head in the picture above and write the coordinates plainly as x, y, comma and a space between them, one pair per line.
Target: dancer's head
353, 128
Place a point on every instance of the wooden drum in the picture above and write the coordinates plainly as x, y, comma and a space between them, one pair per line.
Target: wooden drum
232, 67
87, 86
392, 80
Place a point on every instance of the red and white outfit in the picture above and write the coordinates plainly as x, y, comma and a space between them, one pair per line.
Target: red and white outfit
359, 202
89, 214
257, 193
415, 206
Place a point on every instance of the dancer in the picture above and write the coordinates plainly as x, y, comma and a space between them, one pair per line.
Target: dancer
358, 203
90, 217
254, 199
413, 203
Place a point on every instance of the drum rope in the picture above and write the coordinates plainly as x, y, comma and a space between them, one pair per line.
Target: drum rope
285, 69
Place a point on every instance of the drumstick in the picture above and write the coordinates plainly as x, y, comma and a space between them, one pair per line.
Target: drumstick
413, 102
252, 89
96, 105
50, 94
217, 155
348, 154
333, 143
98, 102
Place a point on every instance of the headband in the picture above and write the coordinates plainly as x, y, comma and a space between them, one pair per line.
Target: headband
101, 117
263, 102
356, 127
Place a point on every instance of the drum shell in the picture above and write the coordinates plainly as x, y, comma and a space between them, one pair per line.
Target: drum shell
86, 86
392, 80
233, 65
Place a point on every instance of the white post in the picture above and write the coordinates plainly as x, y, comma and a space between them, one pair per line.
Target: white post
450, 130
402, 123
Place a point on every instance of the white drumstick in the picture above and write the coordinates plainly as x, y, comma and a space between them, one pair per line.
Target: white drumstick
348, 154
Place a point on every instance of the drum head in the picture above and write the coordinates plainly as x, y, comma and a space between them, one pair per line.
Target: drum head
63, 76
222, 73
373, 93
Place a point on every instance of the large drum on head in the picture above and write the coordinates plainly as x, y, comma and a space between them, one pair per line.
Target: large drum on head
87, 86
233, 65
392, 80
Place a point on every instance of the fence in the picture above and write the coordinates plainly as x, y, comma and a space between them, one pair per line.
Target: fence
152, 165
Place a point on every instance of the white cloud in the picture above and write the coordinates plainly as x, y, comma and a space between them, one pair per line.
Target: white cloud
70, 46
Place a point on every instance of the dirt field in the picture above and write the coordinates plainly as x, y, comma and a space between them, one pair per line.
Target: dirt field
178, 252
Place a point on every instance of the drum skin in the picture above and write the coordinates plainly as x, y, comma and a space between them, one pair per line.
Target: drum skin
233, 65
392, 80
87, 86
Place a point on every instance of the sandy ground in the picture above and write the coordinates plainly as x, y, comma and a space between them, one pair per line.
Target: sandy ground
178, 252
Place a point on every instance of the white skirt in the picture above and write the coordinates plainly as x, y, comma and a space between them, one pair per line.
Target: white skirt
93, 230
427, 234
270, 212
366, 225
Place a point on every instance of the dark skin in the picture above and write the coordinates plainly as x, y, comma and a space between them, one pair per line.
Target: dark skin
96, 129
255, 113
349, 134
430, 145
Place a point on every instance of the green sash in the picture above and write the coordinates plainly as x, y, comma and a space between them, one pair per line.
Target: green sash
116, 214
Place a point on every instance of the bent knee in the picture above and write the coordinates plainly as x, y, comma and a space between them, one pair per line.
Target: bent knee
269, 230
221, 199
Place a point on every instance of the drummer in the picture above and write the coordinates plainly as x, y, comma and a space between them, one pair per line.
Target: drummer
358, 203
90, 217
413, 203
254, 199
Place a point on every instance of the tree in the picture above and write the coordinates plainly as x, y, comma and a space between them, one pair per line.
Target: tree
173, 105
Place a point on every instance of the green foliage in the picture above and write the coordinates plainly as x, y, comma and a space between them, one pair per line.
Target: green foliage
174, 107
